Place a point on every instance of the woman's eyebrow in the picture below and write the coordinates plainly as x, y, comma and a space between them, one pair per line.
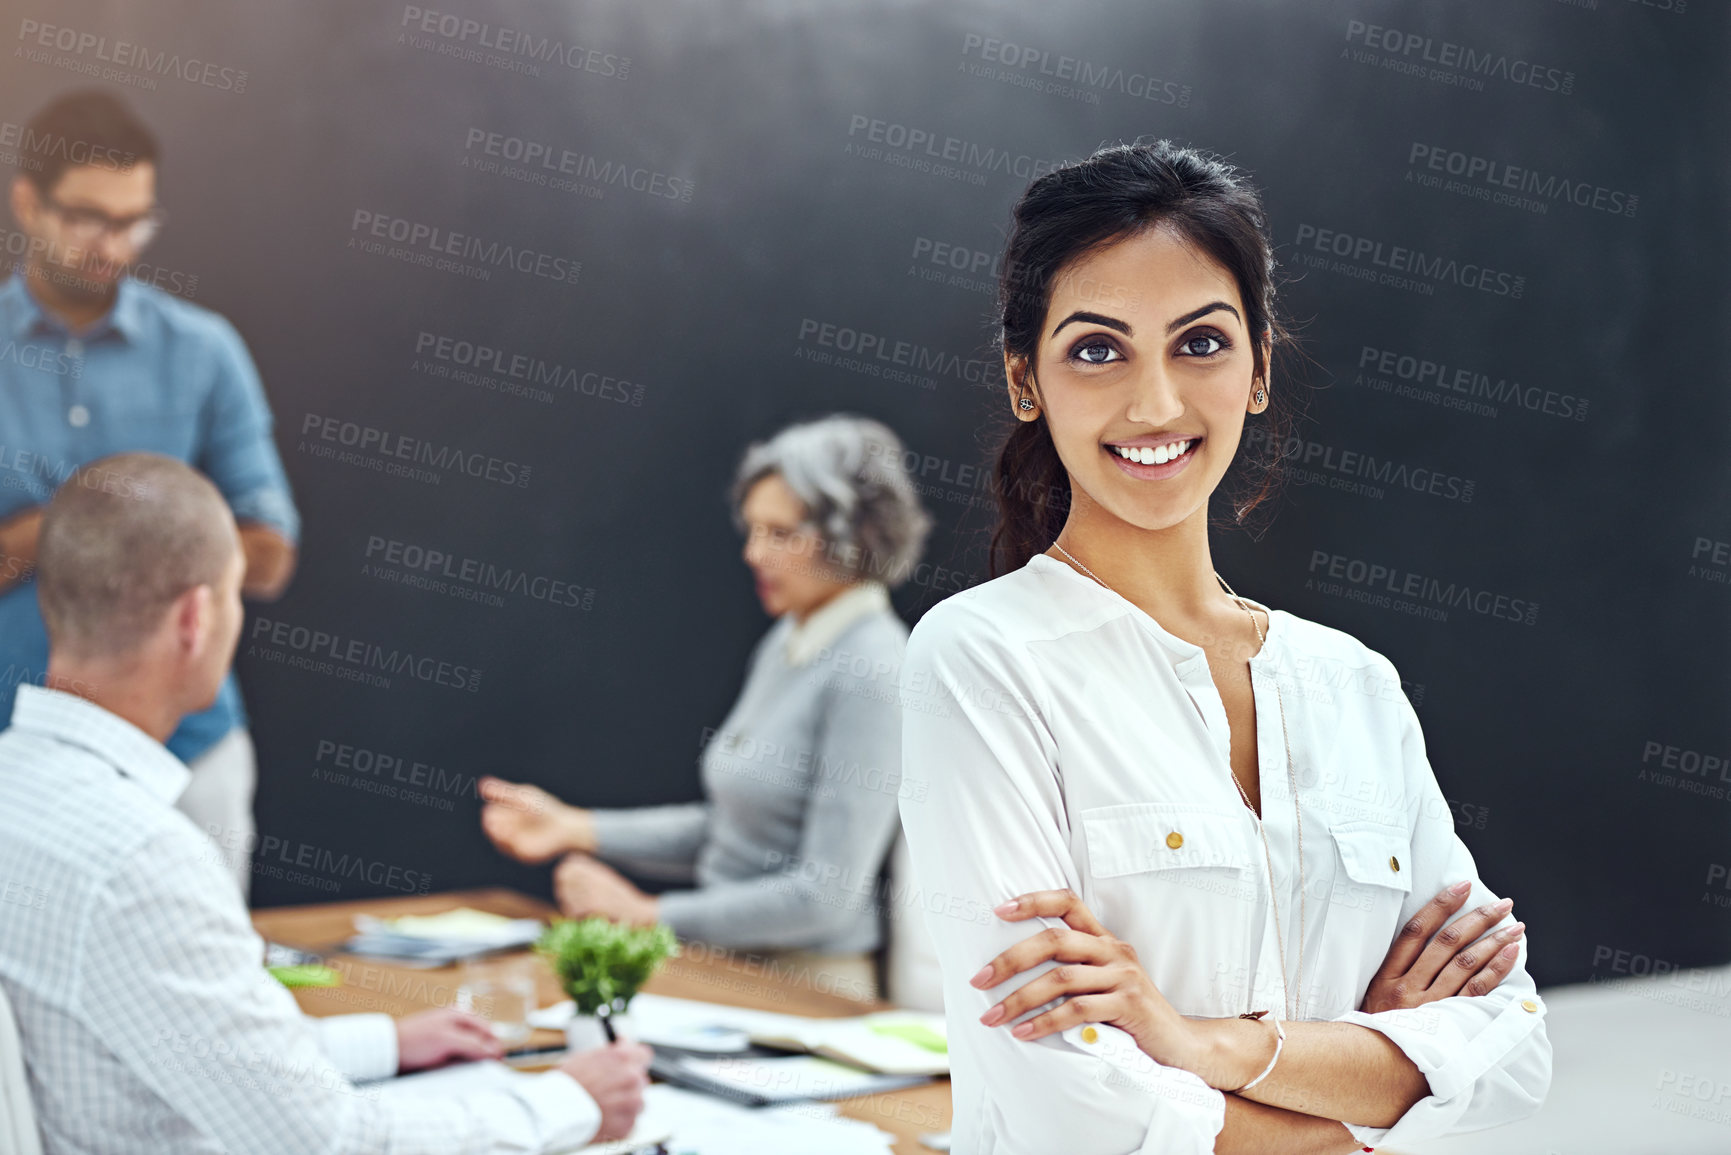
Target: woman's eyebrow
1124, 326
1211, 307
1097, 319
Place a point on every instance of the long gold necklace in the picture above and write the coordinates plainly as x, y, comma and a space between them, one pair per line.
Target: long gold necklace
1292, 780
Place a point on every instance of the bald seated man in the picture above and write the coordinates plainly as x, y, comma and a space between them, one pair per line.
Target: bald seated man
136, 978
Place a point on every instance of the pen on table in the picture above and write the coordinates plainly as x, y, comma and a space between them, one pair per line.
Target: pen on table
603, 1013
537, 1051
530, 1054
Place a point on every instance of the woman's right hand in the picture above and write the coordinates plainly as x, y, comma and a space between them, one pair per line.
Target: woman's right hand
530, 824
1425, 965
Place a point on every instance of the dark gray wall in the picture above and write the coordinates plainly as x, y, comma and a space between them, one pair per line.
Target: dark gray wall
1574, 738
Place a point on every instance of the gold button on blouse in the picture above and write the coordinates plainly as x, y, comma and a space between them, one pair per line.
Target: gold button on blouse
1175, 840
1090, 1035
1529, 1005
1394, 864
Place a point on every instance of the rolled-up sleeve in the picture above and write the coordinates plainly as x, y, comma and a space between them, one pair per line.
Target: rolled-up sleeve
1487, 1058
985, 821
238, 453
362, 1047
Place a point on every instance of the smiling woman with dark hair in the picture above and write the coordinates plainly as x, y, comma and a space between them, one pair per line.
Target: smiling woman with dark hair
1229, 909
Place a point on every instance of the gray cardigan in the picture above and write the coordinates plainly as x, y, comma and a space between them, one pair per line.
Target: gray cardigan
800, 783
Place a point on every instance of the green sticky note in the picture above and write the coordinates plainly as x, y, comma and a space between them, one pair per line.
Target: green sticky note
311, 975
918, 1034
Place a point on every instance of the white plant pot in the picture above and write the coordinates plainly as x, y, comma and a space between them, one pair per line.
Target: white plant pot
585, 1032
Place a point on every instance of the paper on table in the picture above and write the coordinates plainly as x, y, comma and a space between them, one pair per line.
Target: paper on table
435, 939
462, 924
661, 1022
684, 1014
686, 1119
704, 1124
890, 1042
459, 1078
789, 1079
882, 1042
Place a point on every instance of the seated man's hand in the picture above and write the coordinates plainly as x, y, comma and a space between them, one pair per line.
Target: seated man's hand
614, 1076
586, 887
1421, 968
443, 1035
530, 824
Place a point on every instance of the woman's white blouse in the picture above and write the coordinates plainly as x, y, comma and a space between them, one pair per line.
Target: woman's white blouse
1054, 735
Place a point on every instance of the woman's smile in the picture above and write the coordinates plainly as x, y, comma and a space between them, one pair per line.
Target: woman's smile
1153, 459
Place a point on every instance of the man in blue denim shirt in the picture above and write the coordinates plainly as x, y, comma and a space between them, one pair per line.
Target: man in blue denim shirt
94, 360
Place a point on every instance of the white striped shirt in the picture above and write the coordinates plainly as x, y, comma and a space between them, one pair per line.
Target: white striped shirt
148, 1020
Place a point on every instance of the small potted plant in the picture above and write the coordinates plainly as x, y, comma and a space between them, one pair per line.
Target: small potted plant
601, 964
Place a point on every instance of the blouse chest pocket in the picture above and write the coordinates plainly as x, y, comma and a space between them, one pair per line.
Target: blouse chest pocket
1157, 836
1372, 854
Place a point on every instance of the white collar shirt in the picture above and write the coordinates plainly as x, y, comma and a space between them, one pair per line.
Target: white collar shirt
147, 1019
808, 638
1056, 736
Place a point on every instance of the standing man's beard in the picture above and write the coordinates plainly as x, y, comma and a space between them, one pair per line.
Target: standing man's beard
77, 286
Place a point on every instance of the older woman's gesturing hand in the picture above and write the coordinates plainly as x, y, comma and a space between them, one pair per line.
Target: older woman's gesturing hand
1098, 974
530, 824
1426, 964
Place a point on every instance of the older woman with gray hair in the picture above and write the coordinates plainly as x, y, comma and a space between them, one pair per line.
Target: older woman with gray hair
800, 781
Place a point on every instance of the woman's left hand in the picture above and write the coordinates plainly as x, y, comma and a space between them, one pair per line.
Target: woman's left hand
586, 887
1098, 974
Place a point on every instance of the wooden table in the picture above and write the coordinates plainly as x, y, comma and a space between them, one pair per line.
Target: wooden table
702, 972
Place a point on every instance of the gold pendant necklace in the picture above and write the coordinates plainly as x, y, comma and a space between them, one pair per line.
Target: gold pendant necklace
1292, 780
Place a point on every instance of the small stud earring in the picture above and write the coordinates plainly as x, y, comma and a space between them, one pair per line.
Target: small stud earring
1261, 395
1026, 404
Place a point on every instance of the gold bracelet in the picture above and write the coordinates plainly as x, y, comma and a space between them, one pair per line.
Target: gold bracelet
1279, 1042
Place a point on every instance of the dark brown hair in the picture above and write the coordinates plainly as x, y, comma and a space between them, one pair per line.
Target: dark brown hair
1078, 209
86, 126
